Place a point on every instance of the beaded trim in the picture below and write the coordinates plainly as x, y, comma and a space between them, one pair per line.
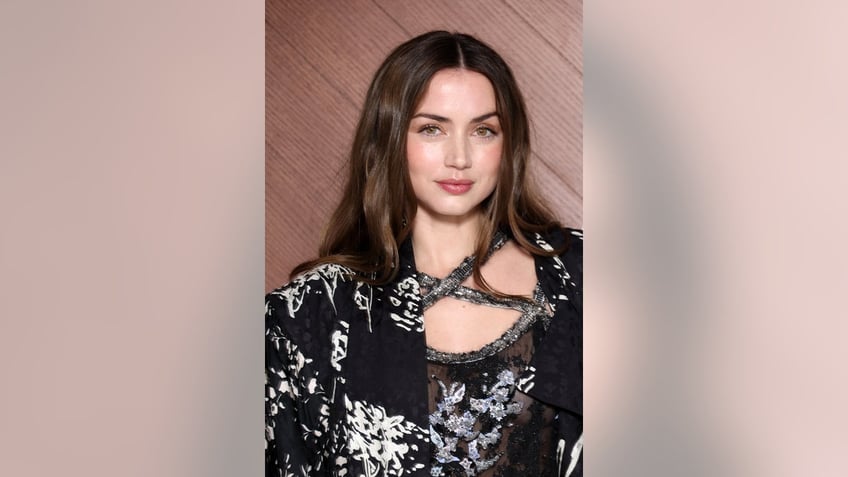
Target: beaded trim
450, 286
510, 336
441, 288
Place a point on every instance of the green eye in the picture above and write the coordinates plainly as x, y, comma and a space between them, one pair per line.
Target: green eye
484, 132
430, 130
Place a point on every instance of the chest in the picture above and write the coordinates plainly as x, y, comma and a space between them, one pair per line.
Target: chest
457, 326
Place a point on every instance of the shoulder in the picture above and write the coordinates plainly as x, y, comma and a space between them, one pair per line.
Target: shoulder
569, 239
574, 252
310, 304
569, 261
309, 288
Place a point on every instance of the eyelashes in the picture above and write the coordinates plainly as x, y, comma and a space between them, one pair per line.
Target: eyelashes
430, 130
434, 130
485, 131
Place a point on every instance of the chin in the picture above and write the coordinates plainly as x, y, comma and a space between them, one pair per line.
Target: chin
450, 214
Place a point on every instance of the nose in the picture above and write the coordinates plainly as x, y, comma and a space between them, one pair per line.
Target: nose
458, 154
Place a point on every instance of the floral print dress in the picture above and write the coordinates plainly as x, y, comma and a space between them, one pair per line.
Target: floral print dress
353, 390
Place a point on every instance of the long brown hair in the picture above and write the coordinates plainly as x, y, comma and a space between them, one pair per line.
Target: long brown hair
378, 204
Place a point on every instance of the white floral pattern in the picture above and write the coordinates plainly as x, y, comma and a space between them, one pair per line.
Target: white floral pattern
315, 423
378, 438
459, 424
406, 296
329, 275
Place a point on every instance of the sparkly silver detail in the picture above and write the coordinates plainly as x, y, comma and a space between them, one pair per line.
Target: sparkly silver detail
530, 313
495, 403
491, 407
450, 286
440, 288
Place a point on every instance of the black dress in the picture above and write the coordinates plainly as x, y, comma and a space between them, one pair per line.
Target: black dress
352, 389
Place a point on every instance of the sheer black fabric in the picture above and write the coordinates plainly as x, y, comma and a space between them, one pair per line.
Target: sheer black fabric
480, 424
351, 388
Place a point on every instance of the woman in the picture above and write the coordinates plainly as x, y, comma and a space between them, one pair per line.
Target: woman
438, 230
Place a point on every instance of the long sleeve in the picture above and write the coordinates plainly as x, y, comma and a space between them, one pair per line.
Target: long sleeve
305, 343
555, 374
296, 408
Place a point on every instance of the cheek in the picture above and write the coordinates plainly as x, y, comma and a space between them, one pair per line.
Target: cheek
490, 161
421, 157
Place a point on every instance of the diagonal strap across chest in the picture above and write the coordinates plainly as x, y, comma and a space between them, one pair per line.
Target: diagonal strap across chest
451, 285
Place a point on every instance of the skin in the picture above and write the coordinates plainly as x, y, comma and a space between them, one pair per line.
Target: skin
455, 138
454, 135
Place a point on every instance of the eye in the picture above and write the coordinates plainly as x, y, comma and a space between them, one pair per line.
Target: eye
430, 130
485, 131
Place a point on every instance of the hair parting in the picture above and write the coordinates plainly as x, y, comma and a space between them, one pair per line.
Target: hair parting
378, 204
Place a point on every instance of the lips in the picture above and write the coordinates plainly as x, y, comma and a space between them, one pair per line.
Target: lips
455, 186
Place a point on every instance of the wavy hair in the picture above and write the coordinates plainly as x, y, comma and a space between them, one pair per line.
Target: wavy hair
378, 204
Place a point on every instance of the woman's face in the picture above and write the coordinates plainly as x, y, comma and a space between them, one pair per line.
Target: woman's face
454, 146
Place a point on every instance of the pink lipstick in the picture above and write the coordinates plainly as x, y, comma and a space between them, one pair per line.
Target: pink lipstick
455, 186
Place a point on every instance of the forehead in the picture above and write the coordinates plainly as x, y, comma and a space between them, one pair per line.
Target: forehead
459, 91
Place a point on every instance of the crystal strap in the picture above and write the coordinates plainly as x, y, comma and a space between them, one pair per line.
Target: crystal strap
524, 322
478, 297
447, 285
450, 286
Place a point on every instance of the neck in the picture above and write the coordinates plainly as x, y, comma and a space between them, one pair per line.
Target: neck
440, 246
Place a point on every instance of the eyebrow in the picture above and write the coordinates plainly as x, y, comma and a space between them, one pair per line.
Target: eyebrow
442, 119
